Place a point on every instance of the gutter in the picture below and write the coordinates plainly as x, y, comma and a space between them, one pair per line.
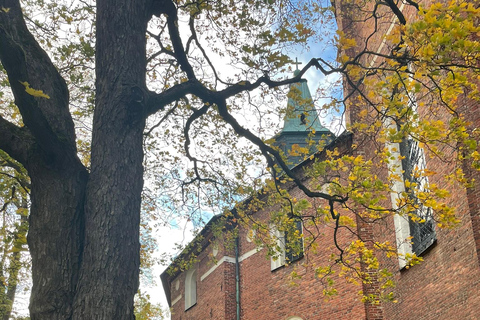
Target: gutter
237, 277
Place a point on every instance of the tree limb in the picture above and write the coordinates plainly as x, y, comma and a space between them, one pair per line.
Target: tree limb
267, 151
180, 54
396, 11
15, 141
158, 101
28, 65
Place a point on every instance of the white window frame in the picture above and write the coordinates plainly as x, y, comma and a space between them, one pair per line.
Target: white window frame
190, 288
403, 230
402, 225
277, 260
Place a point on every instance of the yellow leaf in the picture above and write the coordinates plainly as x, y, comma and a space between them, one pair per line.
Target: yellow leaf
363, 113
34, 92
427, 172
5, 9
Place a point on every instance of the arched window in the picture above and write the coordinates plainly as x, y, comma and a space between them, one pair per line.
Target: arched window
190, 288
294, 318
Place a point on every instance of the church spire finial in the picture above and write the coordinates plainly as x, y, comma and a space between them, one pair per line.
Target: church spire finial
296, 63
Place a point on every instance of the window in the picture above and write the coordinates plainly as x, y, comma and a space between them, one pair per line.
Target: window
190, 288
412, 235
289, 246
278, 259
294, 243
423, 232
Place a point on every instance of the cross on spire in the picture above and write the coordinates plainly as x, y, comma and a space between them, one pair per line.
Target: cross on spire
296, 63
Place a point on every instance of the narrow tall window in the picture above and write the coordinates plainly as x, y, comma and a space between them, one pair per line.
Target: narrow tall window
294, 243
423, 230
412, 235
289, 247
278, 260
190, 288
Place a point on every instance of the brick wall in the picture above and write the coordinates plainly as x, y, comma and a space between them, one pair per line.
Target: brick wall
272, 295
444, 286
213, 291
472, 112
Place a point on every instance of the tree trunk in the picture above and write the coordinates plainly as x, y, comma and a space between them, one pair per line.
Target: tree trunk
55, 236
84, 227
84, 236
111, 259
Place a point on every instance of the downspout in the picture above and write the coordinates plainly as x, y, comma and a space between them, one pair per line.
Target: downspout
237, 277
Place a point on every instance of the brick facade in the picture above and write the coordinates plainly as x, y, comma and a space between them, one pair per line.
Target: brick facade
264, 294
445, 286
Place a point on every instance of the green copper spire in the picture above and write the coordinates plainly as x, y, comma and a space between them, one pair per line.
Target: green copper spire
301, 125
301, 114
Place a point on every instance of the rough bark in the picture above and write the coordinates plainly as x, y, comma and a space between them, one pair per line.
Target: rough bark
84, 227
111, 260
46, 147
55, 237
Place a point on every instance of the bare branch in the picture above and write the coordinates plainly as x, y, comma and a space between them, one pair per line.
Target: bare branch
272, 156
172, 22
169, 112
196, 114
194, 37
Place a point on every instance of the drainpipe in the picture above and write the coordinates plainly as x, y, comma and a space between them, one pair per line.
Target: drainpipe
237, 277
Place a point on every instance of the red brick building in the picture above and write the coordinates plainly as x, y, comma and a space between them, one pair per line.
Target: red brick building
245, 277
237, 279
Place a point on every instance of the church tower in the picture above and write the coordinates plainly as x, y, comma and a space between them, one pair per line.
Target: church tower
301, 127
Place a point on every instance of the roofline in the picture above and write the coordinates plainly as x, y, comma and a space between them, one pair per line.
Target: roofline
166, 277
345, 137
